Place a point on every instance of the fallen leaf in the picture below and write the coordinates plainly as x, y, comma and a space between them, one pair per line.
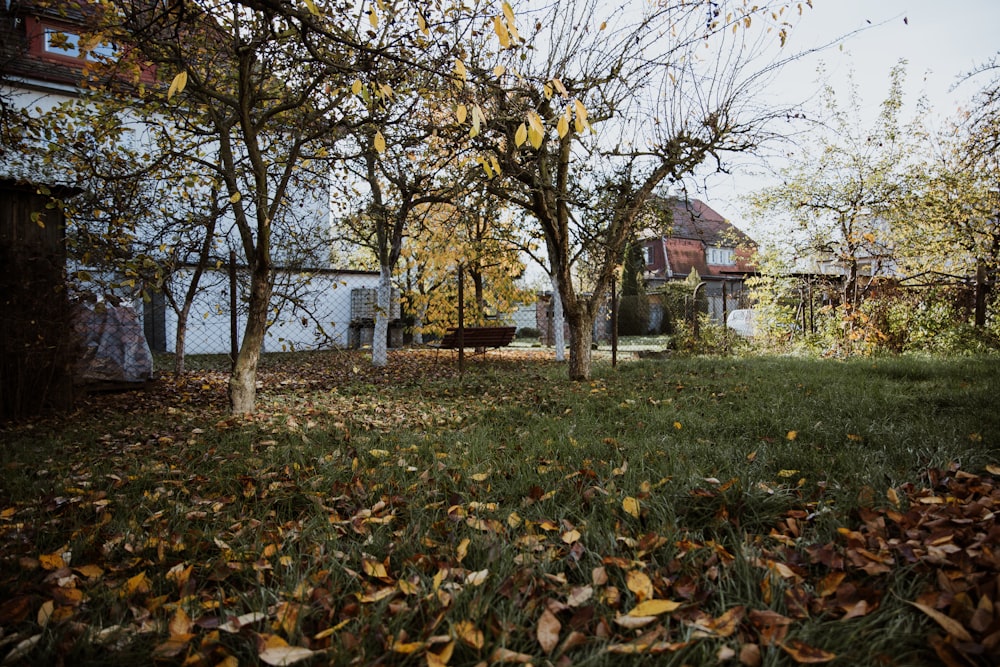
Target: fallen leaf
506, 655
45, 613
234, 624
547, 631
22, 649
470, 634
654, 608
285, 655
950, 625
804, 654
138, 584
639, 583
631, 506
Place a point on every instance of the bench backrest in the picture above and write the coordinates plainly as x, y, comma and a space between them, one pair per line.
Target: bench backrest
480, 337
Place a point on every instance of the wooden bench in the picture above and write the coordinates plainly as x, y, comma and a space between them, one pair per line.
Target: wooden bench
478, 337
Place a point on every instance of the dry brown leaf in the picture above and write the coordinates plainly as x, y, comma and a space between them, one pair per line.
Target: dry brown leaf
506, 655
750, 655
547, 631
950, 625
279, 656
578, 595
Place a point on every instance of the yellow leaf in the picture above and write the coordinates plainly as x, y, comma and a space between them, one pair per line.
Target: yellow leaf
460, 113
379, 143
356, 87
654, 608
639, 583
178, 84
52, 561
180, 623
462, 550
502, 33
993, 469
140, 583
375, 569
562, 127
571, 536
469, 634
631, 506
235, 197
441, 657
45, 613
508, 13
499, 70
407, 647
521, 135
422, 24
893, 497
791, 435
678, 425
373, 17
787, 473
460, 70
311, 6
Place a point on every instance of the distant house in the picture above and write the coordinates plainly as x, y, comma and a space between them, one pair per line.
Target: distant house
695, 237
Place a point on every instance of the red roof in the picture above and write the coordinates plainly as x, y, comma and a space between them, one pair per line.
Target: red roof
690, 229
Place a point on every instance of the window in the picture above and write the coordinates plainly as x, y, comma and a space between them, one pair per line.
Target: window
60, 42
721, 256
650, 255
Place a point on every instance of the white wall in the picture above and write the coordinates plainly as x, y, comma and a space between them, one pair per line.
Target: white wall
318, 316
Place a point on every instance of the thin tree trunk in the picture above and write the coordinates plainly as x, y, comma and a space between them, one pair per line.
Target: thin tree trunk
243, 382
558, 322
380, 354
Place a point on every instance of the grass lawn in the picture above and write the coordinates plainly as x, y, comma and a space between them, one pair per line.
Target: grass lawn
759, 511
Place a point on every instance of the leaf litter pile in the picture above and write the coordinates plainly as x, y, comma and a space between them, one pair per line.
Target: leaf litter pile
404, 516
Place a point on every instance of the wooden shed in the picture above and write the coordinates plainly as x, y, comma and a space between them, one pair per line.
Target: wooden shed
37, 347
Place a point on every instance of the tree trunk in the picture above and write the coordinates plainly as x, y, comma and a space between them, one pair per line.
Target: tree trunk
383, 310
558, 322
982, 291
243, 382
581, 335
179, 343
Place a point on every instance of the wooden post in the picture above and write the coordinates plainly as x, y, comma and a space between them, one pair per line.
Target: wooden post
234, 342
614, 324
461, 320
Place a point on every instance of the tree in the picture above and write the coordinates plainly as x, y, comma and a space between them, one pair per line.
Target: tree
838, 191
246, 82
477, 233
607, 105
949, 222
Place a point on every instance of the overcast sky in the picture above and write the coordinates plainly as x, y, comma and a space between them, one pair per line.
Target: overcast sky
940, 39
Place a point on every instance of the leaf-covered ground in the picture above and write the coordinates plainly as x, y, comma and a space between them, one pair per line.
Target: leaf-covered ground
754, 512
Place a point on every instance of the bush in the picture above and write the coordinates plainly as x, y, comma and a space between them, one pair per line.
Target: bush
528, 332
633, 315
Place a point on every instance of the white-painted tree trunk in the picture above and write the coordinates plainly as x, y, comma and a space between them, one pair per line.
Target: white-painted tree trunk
558, 328
383, 310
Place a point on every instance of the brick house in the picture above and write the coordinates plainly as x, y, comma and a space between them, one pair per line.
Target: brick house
696, 237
